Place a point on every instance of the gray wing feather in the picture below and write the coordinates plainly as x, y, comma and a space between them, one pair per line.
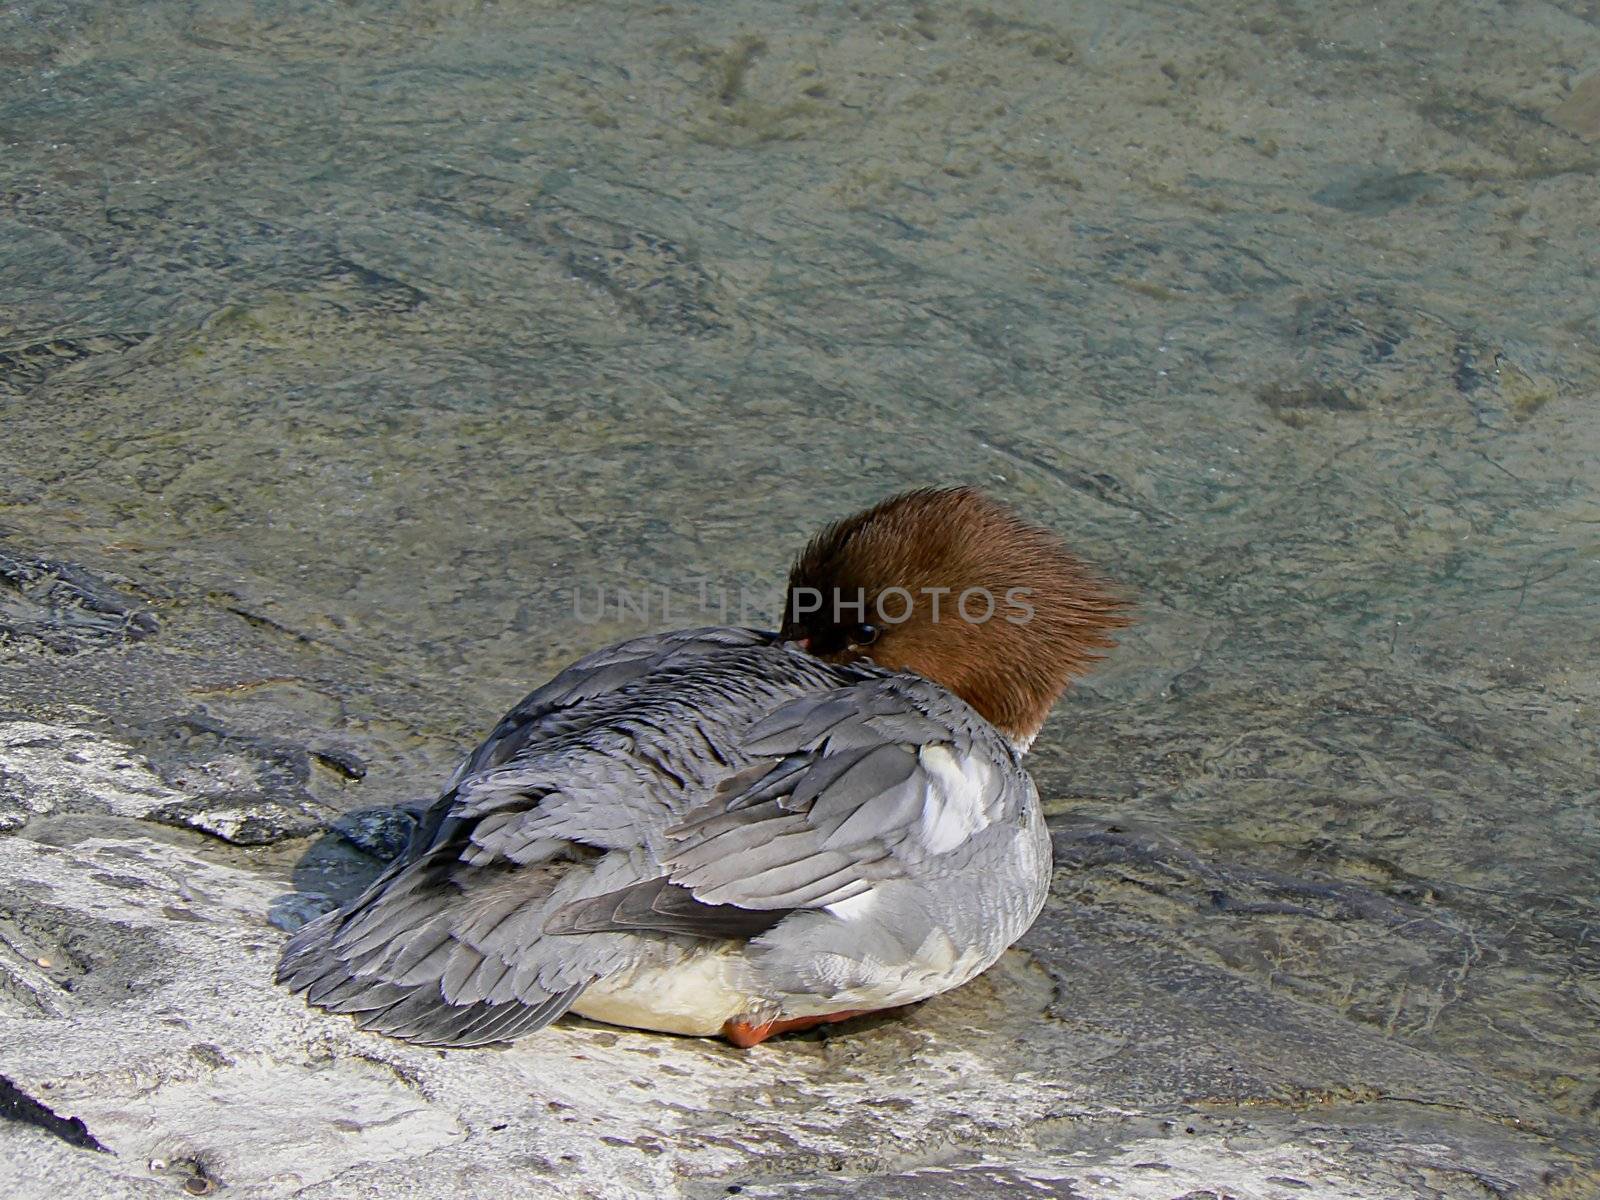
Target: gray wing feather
798, 725
877, 771
851, 793
869, 781
660, 906
877, 819
598, 674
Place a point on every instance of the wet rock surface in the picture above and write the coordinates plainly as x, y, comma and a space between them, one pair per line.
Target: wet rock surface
253, 791
380, 832
348, 349
50, 768
61, 608
244, 820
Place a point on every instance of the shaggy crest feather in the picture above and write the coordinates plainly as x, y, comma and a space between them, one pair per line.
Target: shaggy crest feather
962, 590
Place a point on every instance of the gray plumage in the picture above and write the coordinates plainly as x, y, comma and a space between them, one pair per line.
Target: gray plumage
707, 791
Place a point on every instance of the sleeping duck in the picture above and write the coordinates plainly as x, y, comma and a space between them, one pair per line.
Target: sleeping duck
737, 832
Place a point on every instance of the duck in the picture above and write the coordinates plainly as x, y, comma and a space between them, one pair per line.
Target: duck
736, 832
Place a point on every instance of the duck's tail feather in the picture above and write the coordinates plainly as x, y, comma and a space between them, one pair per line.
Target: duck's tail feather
394, 962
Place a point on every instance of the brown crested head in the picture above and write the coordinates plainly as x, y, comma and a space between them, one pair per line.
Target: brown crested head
957, 587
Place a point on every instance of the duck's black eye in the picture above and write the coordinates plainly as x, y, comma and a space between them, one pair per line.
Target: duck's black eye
864, 634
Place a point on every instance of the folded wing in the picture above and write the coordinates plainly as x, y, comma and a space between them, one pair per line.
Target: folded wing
854, 786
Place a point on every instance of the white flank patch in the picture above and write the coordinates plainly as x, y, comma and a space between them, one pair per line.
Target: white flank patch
953, 810
854, 908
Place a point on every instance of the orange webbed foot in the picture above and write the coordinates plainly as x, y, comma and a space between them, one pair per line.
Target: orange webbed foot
745, 1034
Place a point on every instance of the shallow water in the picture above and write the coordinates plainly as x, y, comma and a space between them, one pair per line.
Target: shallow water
360, 344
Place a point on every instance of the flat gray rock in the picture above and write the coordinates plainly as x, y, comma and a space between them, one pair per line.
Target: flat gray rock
136, 998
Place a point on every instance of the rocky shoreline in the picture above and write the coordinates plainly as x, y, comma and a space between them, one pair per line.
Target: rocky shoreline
144, 1048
